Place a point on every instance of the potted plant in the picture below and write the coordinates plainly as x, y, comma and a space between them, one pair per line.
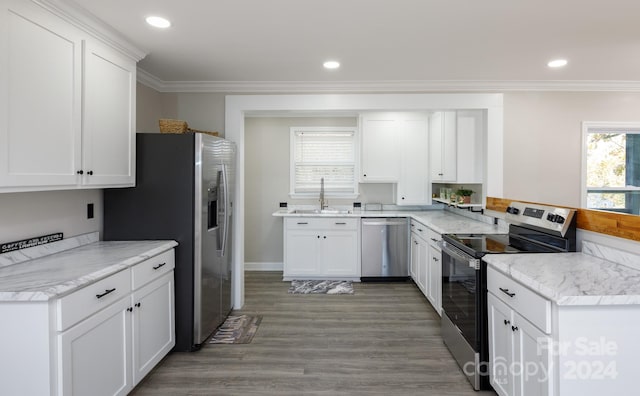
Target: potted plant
464, 195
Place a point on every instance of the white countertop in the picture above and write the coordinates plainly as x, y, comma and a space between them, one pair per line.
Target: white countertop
571, 278
58, 274
441, 221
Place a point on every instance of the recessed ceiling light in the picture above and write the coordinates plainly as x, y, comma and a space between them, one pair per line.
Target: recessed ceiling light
331, 65
158, 22
557, 63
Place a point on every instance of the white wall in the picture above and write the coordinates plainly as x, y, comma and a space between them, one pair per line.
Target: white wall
543, 140
40, 213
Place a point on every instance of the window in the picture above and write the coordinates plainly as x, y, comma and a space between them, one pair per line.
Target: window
324, 152
611, 166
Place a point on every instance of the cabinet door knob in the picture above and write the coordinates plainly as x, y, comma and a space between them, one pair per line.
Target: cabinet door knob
325, 237
365, 175
130, 309
138, 305
80, 172
90, 173
514, 328
507, 322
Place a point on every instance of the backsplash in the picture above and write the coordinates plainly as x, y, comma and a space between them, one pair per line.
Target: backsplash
35, 252
611, 254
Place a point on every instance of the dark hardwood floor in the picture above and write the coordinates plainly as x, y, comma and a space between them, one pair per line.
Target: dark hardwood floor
383, 340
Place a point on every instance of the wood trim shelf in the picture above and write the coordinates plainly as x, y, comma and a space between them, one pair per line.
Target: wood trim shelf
621, 225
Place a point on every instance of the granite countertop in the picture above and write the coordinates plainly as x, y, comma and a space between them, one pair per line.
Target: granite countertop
571, 278
441, 221
62, 272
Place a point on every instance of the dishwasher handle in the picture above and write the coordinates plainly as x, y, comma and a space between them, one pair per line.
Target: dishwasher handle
383, 222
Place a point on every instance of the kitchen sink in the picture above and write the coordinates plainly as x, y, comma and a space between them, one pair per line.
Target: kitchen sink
318, 211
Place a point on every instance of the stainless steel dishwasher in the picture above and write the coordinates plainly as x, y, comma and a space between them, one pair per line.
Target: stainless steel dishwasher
385, 248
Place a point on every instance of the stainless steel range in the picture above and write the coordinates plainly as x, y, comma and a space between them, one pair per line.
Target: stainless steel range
532, 229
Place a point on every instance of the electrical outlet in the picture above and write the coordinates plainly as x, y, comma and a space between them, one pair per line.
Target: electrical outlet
90, 211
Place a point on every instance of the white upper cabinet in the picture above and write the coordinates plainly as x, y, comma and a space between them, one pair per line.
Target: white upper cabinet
456, 141
442, 142
413, 185
379, 148
67, 105
394, 149
40, 102
108, 143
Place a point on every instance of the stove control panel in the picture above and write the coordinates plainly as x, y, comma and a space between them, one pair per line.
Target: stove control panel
546, 217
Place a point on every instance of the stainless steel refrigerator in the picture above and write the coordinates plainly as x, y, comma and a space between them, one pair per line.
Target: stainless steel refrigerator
184, 191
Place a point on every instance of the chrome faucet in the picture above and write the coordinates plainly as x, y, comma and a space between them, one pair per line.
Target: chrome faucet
323, 202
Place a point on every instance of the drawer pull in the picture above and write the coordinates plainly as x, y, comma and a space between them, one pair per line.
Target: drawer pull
434, 239
159, 266
301, 223
514, 328
107, 291
435, 259
507, 322
341, 223
420, 229
506, 291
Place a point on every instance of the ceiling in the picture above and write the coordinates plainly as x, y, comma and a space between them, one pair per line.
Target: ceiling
445, 42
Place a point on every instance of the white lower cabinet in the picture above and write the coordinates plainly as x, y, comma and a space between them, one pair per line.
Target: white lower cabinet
520, 361
101, 339
153, 325
434, 278
326, 248
419, 261
110, 352
95, 355
540, 348
426, 263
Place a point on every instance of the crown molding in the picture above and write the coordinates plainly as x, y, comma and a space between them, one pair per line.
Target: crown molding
82, 19
154, 82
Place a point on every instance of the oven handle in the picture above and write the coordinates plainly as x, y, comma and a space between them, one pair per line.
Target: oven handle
460, 255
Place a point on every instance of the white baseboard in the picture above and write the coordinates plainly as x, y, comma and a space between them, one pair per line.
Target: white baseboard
263, 266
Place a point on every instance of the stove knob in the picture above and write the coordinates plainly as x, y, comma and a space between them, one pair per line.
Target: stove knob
559, 219
552, 217
513, 210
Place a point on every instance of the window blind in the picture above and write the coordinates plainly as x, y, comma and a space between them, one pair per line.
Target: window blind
324, 154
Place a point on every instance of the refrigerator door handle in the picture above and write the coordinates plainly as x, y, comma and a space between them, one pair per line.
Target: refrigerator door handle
225, 188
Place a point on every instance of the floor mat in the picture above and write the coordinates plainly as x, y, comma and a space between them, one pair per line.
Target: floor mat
236, 330
321, 287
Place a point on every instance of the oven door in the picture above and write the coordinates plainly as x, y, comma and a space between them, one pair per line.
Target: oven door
462, 292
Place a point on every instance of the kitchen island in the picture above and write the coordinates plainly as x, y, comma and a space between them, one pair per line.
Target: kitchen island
563, 323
